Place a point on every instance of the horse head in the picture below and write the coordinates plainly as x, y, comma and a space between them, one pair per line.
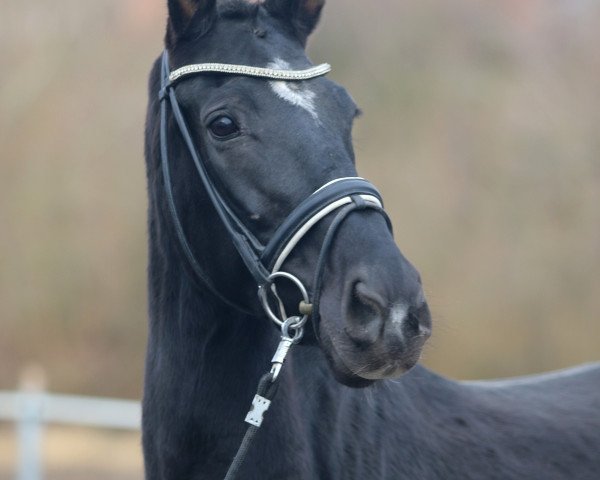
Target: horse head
268, 145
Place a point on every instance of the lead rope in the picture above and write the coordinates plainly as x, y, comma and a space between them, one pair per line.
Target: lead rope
267, 388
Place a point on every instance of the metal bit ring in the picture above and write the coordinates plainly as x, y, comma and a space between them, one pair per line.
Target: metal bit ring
263, 292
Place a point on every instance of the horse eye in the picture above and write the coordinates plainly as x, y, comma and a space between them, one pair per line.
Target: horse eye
223, 127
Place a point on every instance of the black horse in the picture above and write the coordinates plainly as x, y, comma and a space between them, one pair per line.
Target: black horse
267, 145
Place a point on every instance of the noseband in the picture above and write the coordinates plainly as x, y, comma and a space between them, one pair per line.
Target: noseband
264, 262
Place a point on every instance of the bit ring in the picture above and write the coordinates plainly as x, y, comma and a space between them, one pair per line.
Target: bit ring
263, 292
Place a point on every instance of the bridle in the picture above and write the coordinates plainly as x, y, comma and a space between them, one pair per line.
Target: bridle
264, 262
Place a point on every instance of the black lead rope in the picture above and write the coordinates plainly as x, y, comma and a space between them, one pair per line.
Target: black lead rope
267, 388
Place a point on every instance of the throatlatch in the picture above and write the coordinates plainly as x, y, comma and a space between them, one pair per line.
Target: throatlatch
264, 262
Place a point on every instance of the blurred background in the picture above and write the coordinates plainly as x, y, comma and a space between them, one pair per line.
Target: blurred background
481, 127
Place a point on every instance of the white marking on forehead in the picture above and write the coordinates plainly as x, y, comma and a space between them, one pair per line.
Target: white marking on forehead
296, 93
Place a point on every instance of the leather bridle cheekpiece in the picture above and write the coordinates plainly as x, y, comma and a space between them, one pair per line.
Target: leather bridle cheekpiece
342, 195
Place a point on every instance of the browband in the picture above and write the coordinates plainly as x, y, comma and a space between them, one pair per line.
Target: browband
271, 73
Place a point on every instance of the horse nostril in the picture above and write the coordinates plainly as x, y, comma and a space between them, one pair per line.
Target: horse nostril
418, 320
371, 319
409, 323
370, 300
366, 311
412, 322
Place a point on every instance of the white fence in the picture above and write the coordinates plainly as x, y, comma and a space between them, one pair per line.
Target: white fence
32, 409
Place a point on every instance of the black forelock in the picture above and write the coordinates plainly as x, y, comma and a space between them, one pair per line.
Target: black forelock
238, 9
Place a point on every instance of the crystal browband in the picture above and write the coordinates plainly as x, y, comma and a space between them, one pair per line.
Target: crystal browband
271, 73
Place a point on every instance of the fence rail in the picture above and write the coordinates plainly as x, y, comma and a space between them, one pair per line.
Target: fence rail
31, 410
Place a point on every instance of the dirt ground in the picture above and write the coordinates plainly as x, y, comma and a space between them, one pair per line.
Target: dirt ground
79, 454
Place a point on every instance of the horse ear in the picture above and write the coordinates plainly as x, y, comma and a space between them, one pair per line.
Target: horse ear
302, 14
181, 13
